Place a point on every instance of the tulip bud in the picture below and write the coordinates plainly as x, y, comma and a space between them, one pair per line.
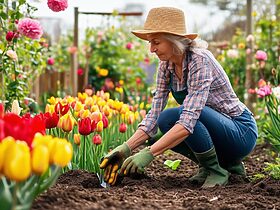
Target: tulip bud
105, 121
97, 139
122, 128
77, 139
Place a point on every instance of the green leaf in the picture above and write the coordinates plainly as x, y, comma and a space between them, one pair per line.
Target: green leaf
172, 164
4, 15
5, 195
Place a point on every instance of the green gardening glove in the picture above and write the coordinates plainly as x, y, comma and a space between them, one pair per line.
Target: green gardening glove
137, 163
113, 161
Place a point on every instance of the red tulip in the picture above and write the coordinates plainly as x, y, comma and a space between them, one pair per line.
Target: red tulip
2, 110
23, 129
122, 128
2, 132
51, 120
60, 109
93, 125
105, 121
84, 126
96, 139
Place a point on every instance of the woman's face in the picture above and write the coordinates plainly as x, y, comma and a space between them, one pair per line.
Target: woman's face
161, 47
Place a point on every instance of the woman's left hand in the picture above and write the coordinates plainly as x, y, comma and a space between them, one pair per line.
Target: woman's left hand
137, 163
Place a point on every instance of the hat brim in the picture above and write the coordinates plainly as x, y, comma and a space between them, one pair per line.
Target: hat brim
143, 34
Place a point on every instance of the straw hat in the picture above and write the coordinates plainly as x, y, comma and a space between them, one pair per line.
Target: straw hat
164, 20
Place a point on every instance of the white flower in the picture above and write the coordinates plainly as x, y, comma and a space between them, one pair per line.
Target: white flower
250, 37
16, 109
276, 92
12, 54
232, 53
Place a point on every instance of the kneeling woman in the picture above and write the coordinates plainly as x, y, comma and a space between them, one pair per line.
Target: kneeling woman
211, 126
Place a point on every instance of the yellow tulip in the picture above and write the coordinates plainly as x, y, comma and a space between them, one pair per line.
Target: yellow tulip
40, 159
106, 96
101, 103
96, 116
82, 97
99, 126
78, 106
94, 108
50, 108
141, 106
77, 139
63, 152
41, 140
66, 122
130, 118
84, 113
52, 100
124, 109
106, 110
89, 101
17, 165
6, 142
136, 115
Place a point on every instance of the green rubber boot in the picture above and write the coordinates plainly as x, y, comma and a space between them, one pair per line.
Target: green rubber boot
202, 173
238, 169
217, 175
200, 176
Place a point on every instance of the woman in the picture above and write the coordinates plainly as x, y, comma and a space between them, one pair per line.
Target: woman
211, 127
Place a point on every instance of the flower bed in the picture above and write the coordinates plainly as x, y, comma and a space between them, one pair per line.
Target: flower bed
163, 188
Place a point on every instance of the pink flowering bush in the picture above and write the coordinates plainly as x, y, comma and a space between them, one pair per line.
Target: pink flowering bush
264, 91
57, 5
30, 28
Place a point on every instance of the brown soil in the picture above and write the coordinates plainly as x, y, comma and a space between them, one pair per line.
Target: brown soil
162, 188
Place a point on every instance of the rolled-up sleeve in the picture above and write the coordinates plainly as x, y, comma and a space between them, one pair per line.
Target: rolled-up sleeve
149, 123
199, 82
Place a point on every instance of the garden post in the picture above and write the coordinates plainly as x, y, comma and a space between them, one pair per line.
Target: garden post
249, 80
74, 57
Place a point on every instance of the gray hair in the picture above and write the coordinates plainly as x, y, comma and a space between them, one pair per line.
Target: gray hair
181, 44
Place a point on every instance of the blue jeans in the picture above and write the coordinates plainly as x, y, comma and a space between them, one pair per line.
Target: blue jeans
233, 137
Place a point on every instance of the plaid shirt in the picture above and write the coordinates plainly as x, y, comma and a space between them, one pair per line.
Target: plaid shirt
207, 84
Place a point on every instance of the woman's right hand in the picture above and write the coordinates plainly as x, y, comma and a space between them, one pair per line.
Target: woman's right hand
113, 161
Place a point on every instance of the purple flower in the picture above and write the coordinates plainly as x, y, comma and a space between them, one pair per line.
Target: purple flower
261, 55
57, 5
30, 28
